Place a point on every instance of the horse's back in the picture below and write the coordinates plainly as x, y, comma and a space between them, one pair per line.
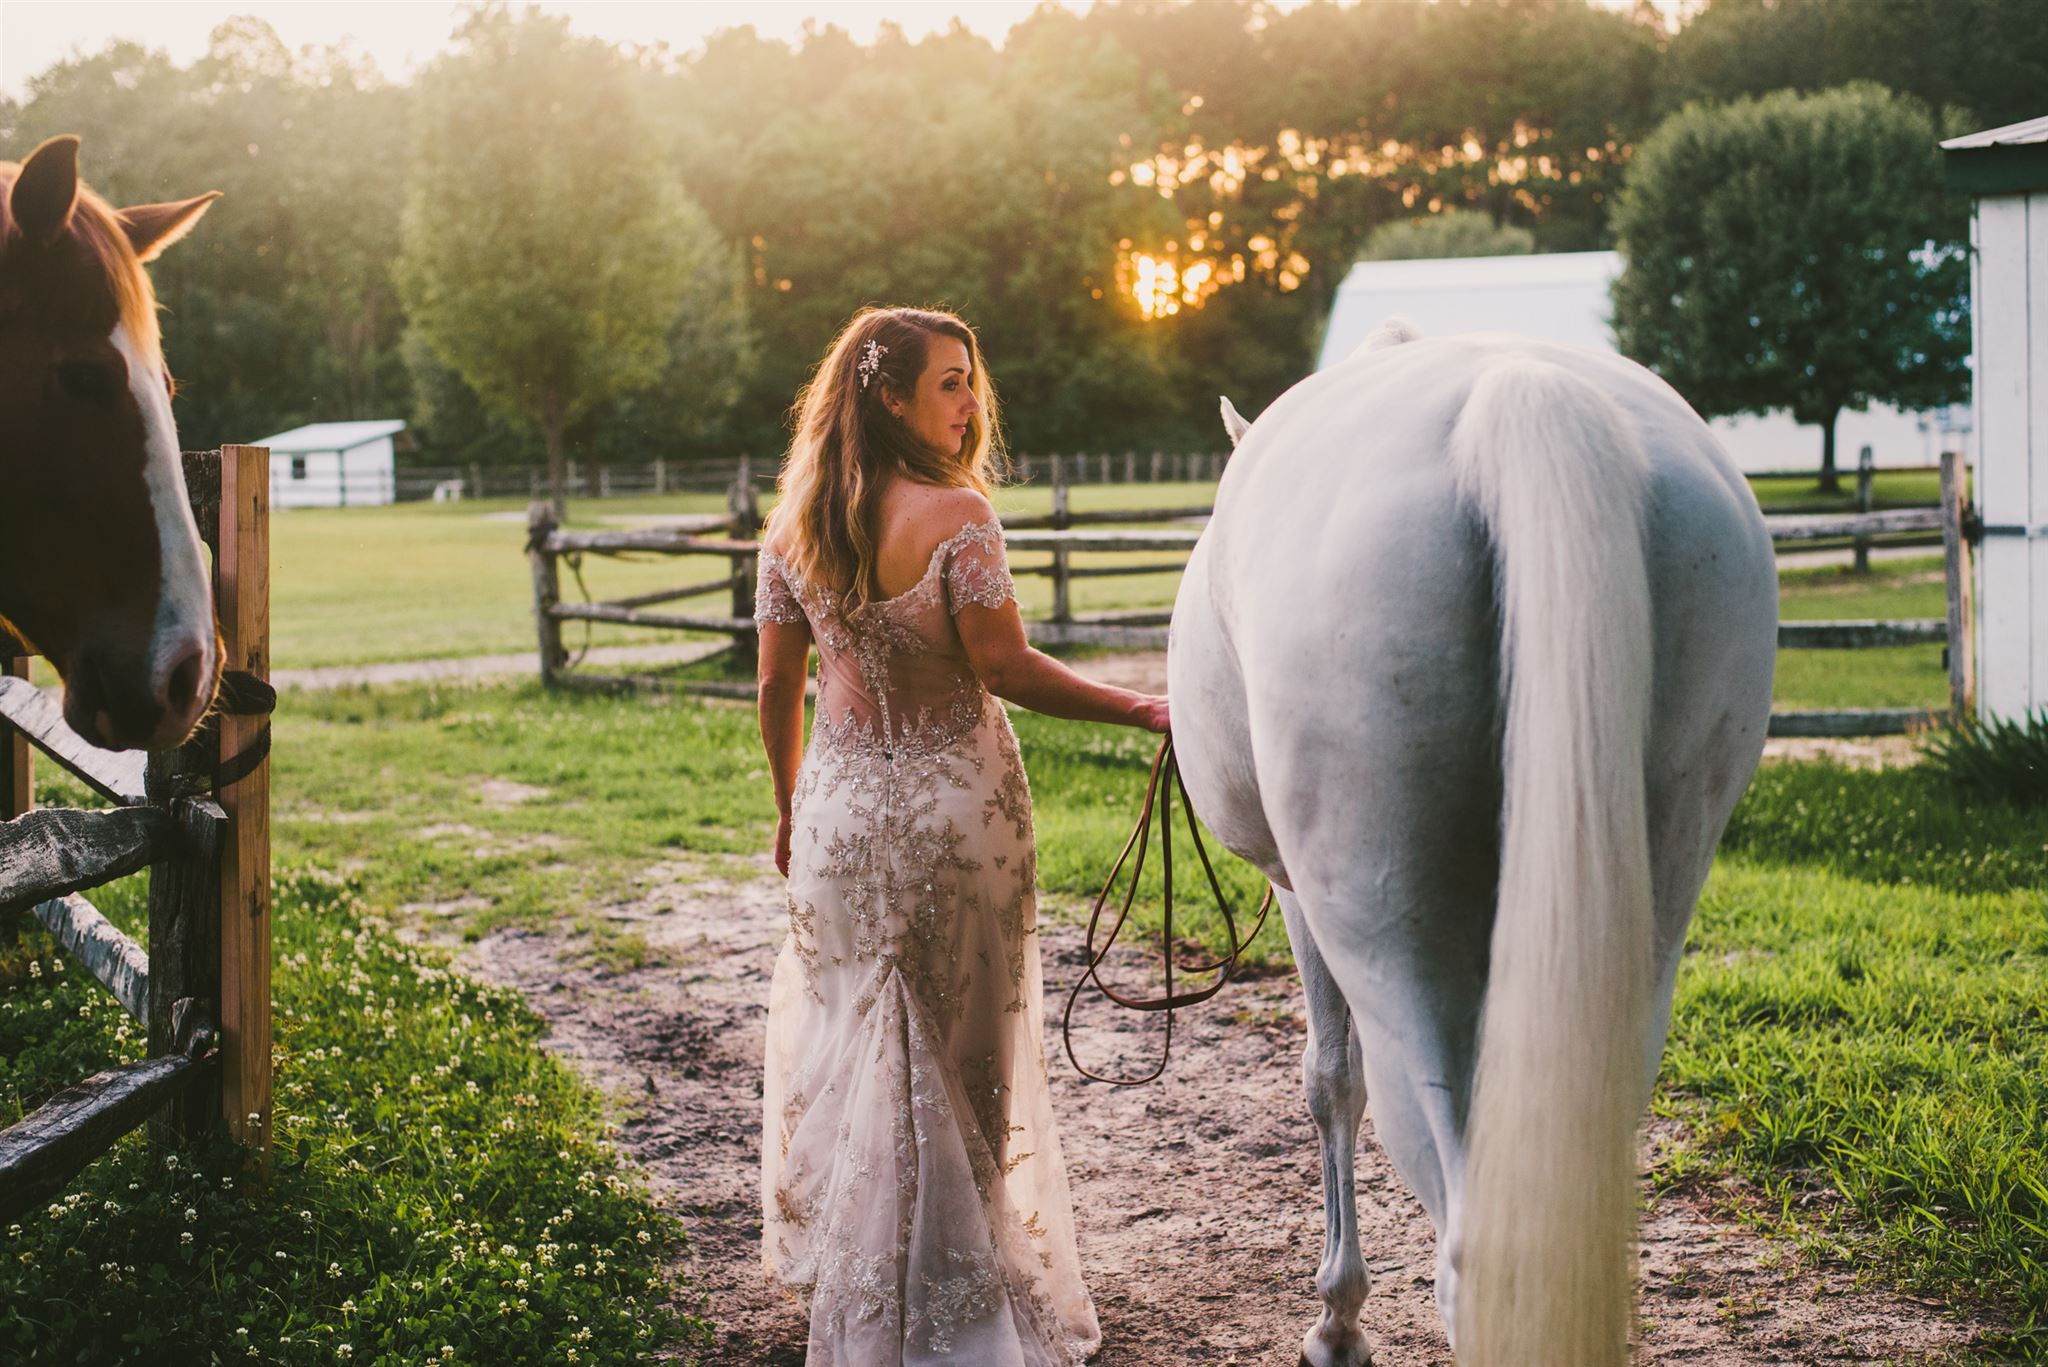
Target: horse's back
1337, 630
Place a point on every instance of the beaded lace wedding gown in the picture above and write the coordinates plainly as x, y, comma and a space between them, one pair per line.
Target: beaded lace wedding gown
912, 1188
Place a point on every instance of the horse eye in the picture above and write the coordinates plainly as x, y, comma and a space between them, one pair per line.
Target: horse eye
93, 382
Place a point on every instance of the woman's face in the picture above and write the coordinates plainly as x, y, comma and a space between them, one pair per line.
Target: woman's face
938, 413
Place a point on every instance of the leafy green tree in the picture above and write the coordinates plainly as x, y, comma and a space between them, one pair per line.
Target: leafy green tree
1987, 56
1454, 232
1796, 252
542, 256
282, 310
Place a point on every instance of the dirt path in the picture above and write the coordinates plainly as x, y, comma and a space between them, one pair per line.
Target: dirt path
1198, 1197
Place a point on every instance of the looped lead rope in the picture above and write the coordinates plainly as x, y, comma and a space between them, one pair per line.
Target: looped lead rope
1163, 769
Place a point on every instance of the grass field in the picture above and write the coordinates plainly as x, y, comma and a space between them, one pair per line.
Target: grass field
1859, 1033
422, 580
1859, 1036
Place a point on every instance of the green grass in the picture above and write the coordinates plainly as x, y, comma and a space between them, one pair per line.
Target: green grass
439, 1184
424, 580
430, 580
1860, 1026
394, 787
1887, 490
1875, 1061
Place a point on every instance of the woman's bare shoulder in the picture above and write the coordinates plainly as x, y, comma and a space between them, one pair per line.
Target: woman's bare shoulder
930, 513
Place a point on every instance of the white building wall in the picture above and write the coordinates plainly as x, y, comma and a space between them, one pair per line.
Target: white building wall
2009, 287
370, 471
1564, 298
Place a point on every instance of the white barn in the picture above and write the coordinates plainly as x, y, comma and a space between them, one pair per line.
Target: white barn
334, 464
2005, 170
1563, 297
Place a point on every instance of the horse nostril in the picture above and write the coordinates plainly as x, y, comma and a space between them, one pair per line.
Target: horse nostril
181, 685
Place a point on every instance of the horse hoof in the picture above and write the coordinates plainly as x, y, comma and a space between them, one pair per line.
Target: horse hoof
1319, 1349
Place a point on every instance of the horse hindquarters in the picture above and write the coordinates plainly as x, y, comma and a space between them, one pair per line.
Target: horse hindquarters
1547, 1225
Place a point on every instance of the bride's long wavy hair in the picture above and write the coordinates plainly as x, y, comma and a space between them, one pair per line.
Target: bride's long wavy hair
847, 445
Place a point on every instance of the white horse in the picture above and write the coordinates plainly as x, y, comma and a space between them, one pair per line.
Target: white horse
1474, 660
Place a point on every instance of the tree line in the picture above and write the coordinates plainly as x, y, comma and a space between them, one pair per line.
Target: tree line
548, 245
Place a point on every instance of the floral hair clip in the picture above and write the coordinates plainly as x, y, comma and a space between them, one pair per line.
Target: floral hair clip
871, 354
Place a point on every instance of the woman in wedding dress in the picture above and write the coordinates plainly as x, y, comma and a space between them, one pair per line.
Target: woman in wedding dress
913, 1192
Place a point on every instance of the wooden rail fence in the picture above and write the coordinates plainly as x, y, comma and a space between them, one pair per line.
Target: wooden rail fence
1066, 533
200, 822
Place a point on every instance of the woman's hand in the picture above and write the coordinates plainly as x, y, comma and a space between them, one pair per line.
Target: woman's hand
782, 843
1151, 714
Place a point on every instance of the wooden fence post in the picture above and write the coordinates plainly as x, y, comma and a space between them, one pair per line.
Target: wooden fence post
660, 475
476, 479
17, 756
243, 592
1958, 571
547, 590
746, 525
1061, 608
1130, 467
1866, 469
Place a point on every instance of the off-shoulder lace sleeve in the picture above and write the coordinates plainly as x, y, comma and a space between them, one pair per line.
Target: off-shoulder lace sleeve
774, 600
977, 571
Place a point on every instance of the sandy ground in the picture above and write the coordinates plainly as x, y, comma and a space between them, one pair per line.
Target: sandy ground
1198, 1197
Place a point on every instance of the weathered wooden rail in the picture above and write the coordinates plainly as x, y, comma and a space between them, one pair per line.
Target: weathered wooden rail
1065, 534
200, 822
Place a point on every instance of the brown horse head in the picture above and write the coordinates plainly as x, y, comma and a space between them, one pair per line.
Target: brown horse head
101, 567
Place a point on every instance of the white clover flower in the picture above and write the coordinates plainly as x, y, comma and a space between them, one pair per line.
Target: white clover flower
191, 1214
185, 1237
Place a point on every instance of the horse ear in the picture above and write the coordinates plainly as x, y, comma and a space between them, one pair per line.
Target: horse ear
46, 189
153, 227
1233, 422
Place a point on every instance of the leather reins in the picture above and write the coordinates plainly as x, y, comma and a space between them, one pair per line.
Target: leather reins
1164, 769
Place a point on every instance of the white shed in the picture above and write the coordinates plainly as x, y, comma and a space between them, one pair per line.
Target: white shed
1562, 297
333, 464
2005, 170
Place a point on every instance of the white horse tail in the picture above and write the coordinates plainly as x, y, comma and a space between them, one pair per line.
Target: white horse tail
1547, 1270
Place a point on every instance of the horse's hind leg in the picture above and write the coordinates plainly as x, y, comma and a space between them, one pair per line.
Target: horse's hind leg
1333, 1077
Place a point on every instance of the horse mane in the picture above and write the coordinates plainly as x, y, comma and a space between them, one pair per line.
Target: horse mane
97, 226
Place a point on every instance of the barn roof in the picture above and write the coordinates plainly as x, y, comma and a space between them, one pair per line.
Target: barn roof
331, 436
2012, 160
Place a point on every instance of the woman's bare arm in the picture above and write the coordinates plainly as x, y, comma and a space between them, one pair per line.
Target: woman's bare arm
1010, 668
785, 661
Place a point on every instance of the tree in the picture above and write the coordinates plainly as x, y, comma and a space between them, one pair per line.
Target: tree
543, 258
1989, 56
1454, 232
1795, 252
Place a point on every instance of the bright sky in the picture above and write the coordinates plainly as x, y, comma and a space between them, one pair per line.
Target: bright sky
401, 35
